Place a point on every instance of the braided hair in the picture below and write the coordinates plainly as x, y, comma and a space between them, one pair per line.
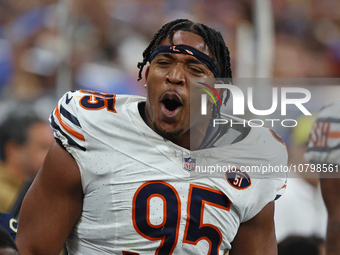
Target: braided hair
213, 39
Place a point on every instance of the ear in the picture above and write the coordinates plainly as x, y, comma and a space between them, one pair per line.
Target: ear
147, 72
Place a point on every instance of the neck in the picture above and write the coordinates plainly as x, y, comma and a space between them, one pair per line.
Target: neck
193, 138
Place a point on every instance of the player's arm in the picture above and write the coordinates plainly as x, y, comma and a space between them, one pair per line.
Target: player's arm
52, 205
257, 235
330, 188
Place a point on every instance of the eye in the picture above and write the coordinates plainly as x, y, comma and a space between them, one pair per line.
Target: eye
163, 62
196, 70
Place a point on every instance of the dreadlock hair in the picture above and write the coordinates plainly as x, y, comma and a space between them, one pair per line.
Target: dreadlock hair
213, 39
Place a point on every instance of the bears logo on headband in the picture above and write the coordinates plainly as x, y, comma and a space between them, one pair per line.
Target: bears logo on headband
186, 49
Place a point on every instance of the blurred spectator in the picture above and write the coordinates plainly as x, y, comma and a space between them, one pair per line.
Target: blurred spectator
97, 41
297, 245
301, 210
24, 142
309, 32
94, 39
31, 45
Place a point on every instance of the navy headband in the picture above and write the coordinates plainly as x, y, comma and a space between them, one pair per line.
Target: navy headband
186, 49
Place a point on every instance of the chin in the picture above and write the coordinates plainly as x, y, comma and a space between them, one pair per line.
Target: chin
169, 135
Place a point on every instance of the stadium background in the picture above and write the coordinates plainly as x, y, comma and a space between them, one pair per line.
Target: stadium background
48, 47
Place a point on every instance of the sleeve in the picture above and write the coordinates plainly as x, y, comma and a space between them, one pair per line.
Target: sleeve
66, 124
268, 190
270, 184
324, 138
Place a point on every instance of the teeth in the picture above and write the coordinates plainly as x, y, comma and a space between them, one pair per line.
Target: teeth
171, 96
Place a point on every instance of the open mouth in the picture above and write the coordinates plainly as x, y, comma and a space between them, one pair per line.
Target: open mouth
171, 104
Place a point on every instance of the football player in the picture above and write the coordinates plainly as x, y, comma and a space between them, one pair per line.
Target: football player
120, 180
324, 152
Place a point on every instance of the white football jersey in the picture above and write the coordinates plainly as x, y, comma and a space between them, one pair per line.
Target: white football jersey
142, 193
324, 139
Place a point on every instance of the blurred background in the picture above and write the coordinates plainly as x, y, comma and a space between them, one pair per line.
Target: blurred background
48, 47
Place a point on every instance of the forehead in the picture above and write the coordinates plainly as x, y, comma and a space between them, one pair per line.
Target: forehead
188, 38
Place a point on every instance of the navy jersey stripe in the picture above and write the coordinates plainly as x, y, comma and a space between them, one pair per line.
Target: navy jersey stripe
69, 116
277, 197
60, 143
69, 139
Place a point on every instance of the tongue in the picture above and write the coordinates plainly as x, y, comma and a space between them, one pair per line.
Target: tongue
168, 113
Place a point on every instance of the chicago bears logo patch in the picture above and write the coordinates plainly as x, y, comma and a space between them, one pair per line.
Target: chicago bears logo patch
238, 179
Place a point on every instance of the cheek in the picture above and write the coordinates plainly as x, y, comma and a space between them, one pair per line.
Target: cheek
153, 92
156, 78
196, 100
151, 95
196, 117
150, 103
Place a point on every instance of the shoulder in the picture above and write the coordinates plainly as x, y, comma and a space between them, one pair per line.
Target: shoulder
257, 159
239, 134
252, 146
88, 100
82, 114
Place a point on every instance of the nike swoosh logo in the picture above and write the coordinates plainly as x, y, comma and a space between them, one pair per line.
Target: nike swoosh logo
68, 99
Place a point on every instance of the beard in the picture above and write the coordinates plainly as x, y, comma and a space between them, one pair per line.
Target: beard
168, 135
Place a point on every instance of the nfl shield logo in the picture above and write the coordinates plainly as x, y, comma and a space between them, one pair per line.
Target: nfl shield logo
189, 163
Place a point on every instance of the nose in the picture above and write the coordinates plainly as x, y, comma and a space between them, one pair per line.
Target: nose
176, 76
